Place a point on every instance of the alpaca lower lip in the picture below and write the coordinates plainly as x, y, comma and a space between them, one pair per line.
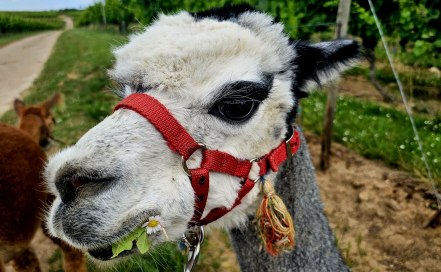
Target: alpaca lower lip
103, 254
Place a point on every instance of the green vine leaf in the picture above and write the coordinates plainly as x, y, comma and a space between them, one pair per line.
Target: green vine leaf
143, 243
127, 242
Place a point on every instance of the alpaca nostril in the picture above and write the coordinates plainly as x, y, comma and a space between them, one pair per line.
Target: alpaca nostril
66, 189
76, 182
44, 143
70, 184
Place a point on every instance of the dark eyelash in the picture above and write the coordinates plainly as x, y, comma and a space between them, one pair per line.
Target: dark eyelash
246, 90
139, 88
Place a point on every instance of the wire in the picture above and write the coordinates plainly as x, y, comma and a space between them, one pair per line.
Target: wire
316, 25
406, 105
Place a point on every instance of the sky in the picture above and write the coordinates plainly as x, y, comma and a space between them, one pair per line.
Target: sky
38, 5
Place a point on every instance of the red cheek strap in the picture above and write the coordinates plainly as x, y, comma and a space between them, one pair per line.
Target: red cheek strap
181, 142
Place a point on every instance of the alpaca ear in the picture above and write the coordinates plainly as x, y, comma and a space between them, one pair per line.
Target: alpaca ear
318, 63
54, 100
19, 106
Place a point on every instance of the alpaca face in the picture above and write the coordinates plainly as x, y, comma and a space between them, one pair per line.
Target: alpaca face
37, 120
232, 82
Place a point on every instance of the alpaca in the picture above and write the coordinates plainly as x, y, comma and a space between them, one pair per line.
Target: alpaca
22, 191
20, 206
228, 79
37, 120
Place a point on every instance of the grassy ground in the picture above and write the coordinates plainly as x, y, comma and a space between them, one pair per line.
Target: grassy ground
379, 132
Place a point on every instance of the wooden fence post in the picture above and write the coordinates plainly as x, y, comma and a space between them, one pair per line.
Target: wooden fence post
103, 13
341, 31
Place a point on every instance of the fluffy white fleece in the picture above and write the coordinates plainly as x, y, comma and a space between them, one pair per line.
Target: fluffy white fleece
184, 63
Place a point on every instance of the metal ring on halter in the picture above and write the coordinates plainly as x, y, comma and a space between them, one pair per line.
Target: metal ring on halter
256, 160
184, 161
288, 146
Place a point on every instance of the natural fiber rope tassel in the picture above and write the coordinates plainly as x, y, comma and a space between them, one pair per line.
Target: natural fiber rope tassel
274, 223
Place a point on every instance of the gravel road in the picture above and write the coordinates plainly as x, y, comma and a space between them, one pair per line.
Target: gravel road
22, 61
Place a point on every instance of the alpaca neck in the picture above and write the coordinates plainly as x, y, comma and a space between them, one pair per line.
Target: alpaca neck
315, 248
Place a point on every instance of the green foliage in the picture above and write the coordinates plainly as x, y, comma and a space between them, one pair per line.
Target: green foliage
15, 22
92, 15
162, 258
138, 236
414, 25
32, 14
379, 132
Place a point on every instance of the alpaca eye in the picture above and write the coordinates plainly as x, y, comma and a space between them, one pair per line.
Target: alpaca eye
241, 99
235, 110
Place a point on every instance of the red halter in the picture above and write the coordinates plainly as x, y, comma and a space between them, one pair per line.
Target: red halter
181, 142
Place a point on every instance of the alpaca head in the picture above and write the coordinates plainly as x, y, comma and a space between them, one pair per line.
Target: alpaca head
231, 78
37, 120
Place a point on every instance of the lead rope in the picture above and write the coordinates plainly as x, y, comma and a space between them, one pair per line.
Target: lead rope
192, 240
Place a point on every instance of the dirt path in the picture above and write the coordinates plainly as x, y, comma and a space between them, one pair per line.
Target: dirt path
22, 61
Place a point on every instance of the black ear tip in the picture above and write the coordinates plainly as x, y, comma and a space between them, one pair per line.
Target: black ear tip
346, 50
351, 47
358, 50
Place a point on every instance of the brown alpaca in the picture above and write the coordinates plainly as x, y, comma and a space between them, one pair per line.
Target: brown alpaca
22, 191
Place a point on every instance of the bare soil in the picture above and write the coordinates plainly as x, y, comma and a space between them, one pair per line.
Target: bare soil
379, 214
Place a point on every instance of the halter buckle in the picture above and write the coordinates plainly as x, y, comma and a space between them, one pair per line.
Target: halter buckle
193, 239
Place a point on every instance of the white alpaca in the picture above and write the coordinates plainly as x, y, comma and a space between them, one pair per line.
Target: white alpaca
232, 80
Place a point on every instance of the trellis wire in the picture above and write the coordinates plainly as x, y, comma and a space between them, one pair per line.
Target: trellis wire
406, 105
316, 25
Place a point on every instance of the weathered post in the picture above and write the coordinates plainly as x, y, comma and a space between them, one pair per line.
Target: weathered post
341, 31
103, 13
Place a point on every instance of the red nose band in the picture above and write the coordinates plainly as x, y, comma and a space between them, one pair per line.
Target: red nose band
181, 142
